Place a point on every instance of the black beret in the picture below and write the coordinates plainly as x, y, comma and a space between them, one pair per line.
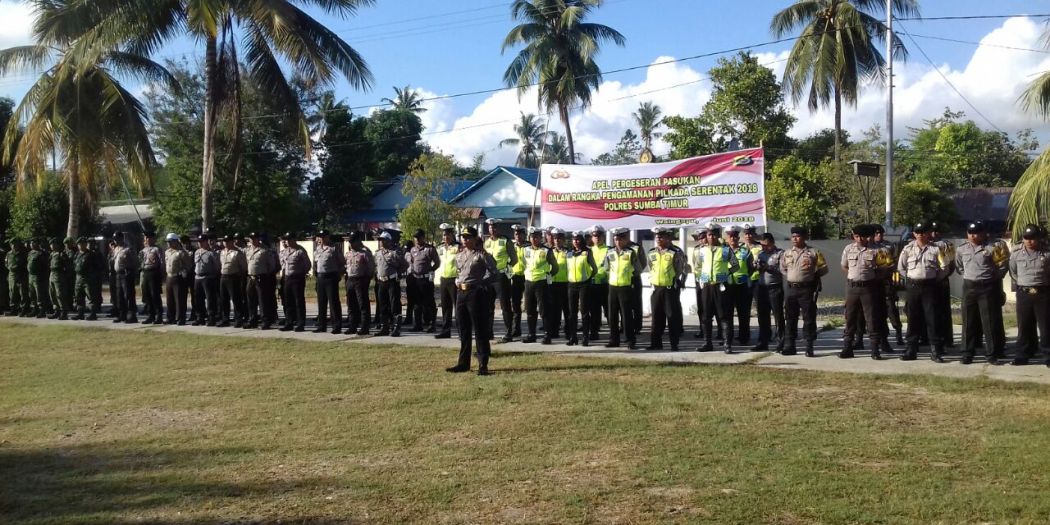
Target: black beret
975, 227
768, 237
864, 230
934, 227
921, 227
799, 230
878, 228
149, 233
356, 236
118, 236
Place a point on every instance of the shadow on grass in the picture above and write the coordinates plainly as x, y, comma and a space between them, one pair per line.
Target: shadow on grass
115, 484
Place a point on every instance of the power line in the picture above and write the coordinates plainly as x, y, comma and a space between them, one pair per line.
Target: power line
969, 17
950, 84
979, 44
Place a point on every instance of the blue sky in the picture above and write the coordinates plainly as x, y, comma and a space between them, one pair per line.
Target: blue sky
445, 48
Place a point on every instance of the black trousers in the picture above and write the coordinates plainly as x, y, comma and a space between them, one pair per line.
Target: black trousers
329, 300
739, 299
151, 293
923, 304
127, 309
801, 299
206, 294
113, 292
716, 305
5, 293
358, 305
501, 291
295, 300
1033, 313
865, 303
769, 301
666, 304
579, 304
175, 292
517, 293
621, 309
892, 311
388, 302
448, 294
599, 306
983, 313
473, 308
424, 307
232, 292
636, 302
944, 312
558, 306
262, 300
536, 305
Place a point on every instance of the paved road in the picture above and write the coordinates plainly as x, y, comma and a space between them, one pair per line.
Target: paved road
828, 344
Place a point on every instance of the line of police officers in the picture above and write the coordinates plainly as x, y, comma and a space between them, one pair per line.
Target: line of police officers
570, 286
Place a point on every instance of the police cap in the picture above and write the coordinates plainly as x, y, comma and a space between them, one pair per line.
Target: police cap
975, 227
799, 230
1032, 231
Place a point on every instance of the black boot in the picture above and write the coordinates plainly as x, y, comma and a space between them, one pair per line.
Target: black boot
900, 340
396, 332
937, 356
384, 330
911, 353
787, 349
886, 348
517, 325
847, 350
809, 349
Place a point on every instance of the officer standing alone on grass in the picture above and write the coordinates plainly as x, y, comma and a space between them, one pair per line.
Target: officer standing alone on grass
1030, 270
983, 265
802, 266
923, 267
769, 294
667, 264
476, 270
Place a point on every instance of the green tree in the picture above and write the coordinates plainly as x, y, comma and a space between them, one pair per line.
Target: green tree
42, 211
428, 179
915, 201
648, 117
690, 137
557, 150
7, 174
558, 54
625, 152
395, 140
747, 103
1030, 200
837, 50
348, 167
406, 99
801, 193
820, 146
530, 140
264, 32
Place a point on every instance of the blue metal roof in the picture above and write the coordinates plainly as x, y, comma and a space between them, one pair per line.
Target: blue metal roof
528, 175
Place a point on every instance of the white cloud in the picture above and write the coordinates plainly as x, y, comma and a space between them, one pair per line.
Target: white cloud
992, 80
18, 22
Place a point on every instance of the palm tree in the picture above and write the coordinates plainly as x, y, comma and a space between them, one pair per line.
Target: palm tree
79, 107
318, 120
407, 99
1030, 200
837, 50
556, 150
559, 53
531, 137
648, 117
269, 31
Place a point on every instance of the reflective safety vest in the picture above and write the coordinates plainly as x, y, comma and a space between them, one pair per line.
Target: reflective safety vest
447, 254
740, 276
661, 266
714, 264
621, 270
599, 253
536, 265
498, 250
578, 269
519, 266
755, 250
563, 271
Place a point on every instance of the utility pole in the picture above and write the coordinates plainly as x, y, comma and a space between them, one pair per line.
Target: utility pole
889, 114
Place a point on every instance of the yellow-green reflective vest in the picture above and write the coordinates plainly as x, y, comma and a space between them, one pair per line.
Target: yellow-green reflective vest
714, 264
661, 267
536, 265
599, 253
498, 250
447, 254
621, 270
740, 276
755, 250
563, 271
519, 266
579, 270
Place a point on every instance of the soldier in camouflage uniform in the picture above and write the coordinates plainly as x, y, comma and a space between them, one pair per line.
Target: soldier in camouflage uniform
18, 278
60, 267
37, 265
90, 267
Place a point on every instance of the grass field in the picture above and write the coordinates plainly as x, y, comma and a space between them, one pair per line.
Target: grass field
110, 427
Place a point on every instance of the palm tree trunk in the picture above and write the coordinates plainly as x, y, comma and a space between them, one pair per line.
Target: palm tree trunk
73, 225
208, 172
838, 123
563, 112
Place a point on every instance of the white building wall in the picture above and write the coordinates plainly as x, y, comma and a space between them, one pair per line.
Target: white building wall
501, 190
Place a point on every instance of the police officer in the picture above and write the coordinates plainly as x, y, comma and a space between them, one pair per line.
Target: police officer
1030, 270
206, 269
476, 271
390, 265
18, 278
178, 264
447, 274
581, 268
715, 263
233, 272
751, 241
502, 250
944, 291
422, 260
923, 266
700, 240
667, 269
517, 275
124, 266
738, 289
599, 292
60, 266
328, 269
262, 301
983, 265
769, 295
90, 267
360, 267
890, 287
151, 261
539, 265
5, 289
636, 287
295, 265
802, 266
558, 291
866, 269
622, 263
37, 264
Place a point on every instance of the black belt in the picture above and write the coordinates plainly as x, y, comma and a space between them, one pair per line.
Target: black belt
986, 282
864, 284
1033, 290
466, 286
803, 284
770, 285
922, 282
